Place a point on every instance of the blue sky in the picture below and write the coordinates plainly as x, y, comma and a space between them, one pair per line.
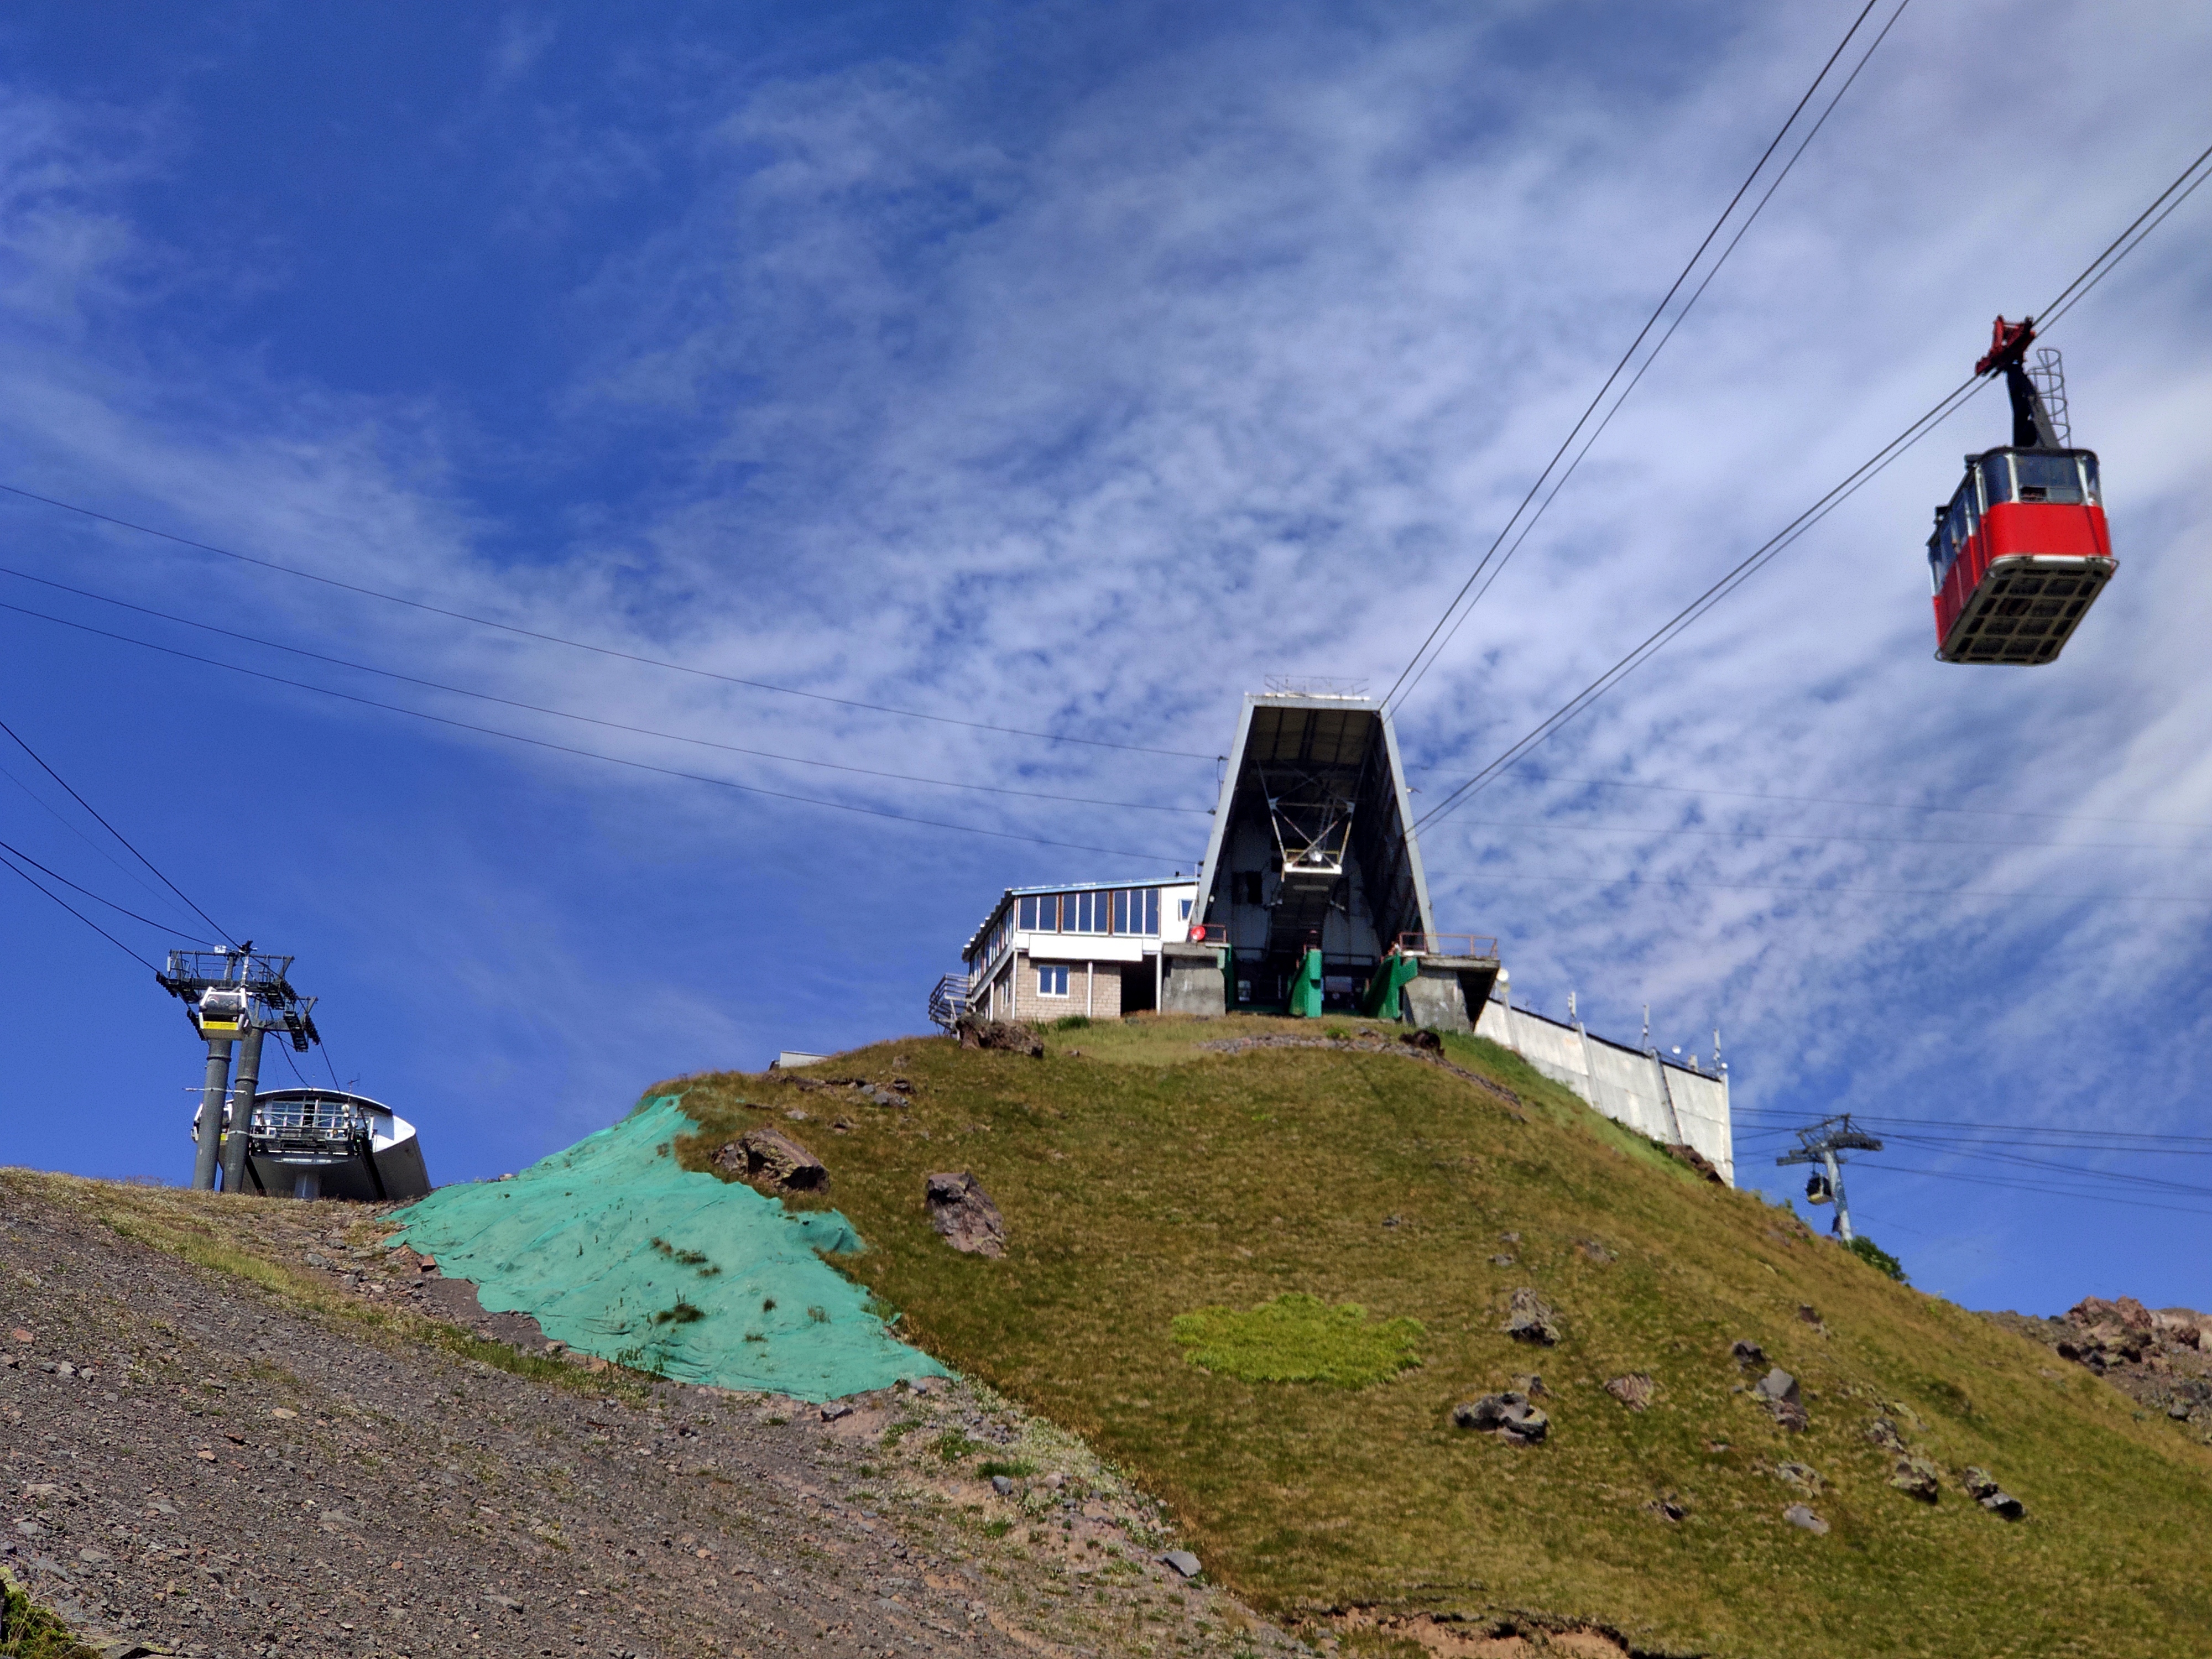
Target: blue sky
1069, 369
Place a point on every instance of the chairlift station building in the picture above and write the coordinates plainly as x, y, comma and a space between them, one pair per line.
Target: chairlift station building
1311, 899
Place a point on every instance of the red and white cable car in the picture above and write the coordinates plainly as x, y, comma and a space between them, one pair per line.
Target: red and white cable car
2021, 552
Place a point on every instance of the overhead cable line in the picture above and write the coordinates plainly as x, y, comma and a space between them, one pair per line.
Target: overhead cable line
1752, 563
2004, 1131
1650, 323
587, 719
1858, 477
78, 914
1876, 806
14, 851
587, 754
1550, 825
585, 645
1816, 891
1653, 355
221, 931
1989, 1152
2040, 1187
107, 857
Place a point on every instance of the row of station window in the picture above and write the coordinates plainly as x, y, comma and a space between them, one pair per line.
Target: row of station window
1111, 910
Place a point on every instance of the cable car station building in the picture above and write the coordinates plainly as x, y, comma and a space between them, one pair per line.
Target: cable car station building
1310, 898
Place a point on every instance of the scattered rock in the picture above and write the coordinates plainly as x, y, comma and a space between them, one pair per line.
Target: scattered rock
1422, 1039
1501, 1261
1916, 1478
770, 1158
1596, 1251
835, 1409
1807, 1312
2160, 1359
1981, 1486
1633, 1391
1503, 1238
1509, 1416
1010, 1036
1884, 1434
1528, 1320
1684, 1152
962, 1212
1667, 1507
1797, 1514
1003, 1485
1778, 1389
1532, 1385
1799, 1474
1749, 1355
499, 1601
1183, 1562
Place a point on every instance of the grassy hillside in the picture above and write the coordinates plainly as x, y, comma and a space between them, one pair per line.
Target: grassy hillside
1143, 1178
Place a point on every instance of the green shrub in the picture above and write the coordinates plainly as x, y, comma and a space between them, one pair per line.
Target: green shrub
1877, 1258
1012, 1471
1298, 1338
1072, 1022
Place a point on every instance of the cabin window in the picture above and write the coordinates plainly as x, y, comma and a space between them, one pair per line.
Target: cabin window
1028, 914
1183, 908
1152, 911
2091, 490
1121, 910
2047, 477
1996, 477
1052, 979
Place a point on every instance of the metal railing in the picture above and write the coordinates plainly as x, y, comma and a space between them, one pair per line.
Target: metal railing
1446, 945
310, 1123
948, 1001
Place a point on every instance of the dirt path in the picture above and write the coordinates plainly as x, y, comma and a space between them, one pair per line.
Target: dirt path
274, 1448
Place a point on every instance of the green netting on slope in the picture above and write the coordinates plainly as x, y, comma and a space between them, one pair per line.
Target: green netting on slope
616, 1251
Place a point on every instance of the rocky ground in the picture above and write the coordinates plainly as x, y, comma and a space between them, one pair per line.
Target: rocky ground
240, 1427
2160, 1357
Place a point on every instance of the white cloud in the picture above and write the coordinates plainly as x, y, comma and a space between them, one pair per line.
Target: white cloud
1087, 407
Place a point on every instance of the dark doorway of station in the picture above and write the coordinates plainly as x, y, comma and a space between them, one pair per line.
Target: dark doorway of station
2020, 551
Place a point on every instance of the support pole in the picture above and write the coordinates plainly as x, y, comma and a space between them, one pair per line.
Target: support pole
1836, 1186
242, 1111
212, 1097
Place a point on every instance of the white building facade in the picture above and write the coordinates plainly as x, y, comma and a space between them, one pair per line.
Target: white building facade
1046, 952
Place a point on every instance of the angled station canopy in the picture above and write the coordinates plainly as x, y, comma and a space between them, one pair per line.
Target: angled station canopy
1313, 847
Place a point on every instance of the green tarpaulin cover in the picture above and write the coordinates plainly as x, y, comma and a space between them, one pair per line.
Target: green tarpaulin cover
616, 1251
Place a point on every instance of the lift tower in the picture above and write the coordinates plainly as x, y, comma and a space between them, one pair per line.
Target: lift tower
1819, 1145
235, 996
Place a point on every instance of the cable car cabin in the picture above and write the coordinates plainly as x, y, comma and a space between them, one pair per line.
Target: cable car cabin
2019, 556
2022, 552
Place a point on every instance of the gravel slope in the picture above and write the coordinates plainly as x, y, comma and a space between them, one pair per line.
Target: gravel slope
235, 1428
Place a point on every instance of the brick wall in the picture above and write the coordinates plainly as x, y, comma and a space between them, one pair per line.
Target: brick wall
1101, 1000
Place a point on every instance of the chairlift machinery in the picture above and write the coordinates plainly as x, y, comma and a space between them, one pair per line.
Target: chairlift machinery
233, 997
2022, 550
1823, 1145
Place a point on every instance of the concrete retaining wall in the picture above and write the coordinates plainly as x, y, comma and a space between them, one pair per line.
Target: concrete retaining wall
1191, 981
1651, 1095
